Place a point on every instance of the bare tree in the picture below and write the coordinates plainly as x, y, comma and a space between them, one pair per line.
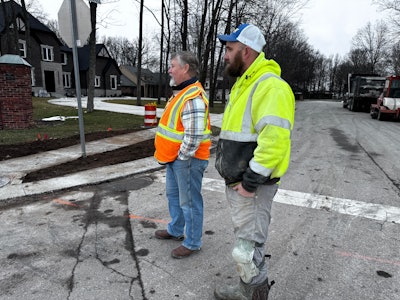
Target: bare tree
11, 28
374, 41
122, 50
139, 73
168, 34
393, 6
160, 78
92, 56
359, 61
343, 70
395, 59
184, 27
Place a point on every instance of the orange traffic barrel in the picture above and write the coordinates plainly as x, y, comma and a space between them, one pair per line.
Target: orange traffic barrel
150, 115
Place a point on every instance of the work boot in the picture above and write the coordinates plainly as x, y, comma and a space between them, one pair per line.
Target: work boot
164, 235
243, 291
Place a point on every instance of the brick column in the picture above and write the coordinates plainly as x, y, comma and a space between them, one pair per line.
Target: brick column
16, 110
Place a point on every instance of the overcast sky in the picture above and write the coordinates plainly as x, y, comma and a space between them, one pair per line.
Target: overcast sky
329, 25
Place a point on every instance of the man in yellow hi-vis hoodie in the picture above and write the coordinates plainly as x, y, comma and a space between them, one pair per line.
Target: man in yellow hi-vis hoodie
253, 153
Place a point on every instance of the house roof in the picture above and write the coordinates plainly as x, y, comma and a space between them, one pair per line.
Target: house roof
147, 76
34, 23
84, 54
125, 81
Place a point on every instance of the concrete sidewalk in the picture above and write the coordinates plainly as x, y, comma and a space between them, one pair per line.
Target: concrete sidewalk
12, 171
100, 104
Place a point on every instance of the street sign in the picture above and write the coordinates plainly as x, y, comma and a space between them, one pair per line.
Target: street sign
83, 22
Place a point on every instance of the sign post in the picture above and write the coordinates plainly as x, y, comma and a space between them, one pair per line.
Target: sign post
74, 30
77, 77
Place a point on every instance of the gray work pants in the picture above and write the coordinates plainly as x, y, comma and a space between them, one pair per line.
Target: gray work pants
251, 218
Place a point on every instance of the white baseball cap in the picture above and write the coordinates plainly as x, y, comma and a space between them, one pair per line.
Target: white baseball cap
247, 34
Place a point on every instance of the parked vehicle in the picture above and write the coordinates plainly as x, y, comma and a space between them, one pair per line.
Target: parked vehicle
387, 105
363, 89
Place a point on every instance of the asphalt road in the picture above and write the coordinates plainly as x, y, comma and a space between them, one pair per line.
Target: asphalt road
334, 231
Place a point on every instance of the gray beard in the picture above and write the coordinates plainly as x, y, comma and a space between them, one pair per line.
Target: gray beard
172, 82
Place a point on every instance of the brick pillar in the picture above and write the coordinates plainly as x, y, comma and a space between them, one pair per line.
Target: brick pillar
16, 110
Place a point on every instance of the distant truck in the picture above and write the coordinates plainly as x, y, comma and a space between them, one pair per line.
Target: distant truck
363, 90
387, 105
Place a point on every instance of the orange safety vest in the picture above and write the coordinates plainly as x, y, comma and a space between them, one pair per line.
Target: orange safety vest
170, 130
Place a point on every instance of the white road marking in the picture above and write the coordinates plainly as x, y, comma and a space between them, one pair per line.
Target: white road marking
350, 207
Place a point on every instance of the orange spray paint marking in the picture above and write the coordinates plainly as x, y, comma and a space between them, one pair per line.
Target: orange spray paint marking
148, 219
362, 257
65, 202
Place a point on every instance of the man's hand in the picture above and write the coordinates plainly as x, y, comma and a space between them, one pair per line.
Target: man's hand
239, 188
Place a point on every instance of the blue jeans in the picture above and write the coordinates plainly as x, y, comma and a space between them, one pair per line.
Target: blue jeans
185, 202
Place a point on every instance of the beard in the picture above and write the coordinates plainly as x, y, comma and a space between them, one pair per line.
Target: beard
172, 82
235, 68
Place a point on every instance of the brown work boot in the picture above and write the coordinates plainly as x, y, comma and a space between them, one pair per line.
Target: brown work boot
164, 235
182, 252
243, 291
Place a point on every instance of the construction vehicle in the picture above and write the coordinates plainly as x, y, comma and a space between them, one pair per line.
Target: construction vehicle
363, 89
387, 105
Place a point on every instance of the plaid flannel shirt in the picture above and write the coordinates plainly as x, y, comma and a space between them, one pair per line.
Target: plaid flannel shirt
193, 116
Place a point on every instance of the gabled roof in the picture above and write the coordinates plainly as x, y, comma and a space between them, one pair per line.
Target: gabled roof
84, 53
38, 29
34, 23
146, 75
125, 81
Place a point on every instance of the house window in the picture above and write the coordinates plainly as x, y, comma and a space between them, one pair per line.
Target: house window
64, 59
113, 82
20, 24
33, 81
67, 79
22, 48
103, 53
47, 53
97, 81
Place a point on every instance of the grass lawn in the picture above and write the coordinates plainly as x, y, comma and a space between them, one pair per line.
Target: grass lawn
93, 122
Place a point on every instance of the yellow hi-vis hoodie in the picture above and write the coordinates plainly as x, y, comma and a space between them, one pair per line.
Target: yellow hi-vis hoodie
255, 139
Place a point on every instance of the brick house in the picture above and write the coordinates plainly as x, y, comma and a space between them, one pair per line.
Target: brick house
52, 63
44, 48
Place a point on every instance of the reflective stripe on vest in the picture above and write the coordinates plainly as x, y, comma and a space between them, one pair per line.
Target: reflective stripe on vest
192, 92
170, 130
246, 135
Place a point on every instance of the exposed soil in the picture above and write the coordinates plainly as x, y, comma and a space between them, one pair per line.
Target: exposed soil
128, 153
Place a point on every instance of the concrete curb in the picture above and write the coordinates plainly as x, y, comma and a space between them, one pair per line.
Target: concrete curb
92, 176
